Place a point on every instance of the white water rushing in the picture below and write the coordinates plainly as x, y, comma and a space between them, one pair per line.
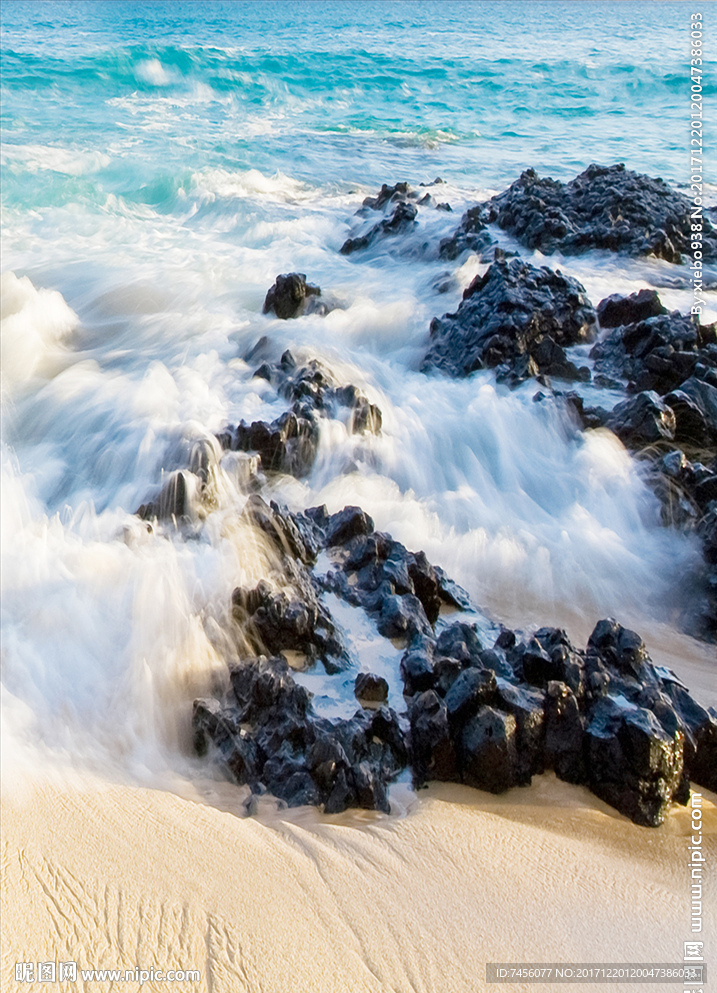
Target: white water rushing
162, 163
110, 631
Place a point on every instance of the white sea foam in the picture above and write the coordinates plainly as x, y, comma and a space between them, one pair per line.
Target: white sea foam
34, 324
152, 71
71, 161
111, 630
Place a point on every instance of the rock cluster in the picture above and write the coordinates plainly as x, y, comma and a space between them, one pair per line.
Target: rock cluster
651, 349
605, 207
399, 204
667, 365
266, 736
488, 716
289, 444
518, 319
604, 717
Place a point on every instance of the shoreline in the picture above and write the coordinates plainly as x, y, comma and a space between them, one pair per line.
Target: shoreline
356, 902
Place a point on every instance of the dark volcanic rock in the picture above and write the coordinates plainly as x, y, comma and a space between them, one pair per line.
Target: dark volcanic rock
671, 355
471, 235
605, 207
402, 216
267, 736
433, 753
564, 734
291, 619
295, 535
491, 718
643, 420
400, 206
700, 727
292, 296
704, 398
658, 353
370, 688
289, 444
489, 757
616, 309
633, 763
514, 315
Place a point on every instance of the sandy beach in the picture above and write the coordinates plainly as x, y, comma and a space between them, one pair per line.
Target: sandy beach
118, 877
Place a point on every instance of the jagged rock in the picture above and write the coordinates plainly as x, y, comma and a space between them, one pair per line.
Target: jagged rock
346, 524
402, 217
402, 617
564, 734
621, 648
293, 619
700, 727
489, 757
268, 737
460, 641
294, 535
472, 689
528, 708
605, 207
617, 310
471, 235
370, 688
489, 717
642, 420
400, 205
292, 296
658, 353
265, 687
417, 671
514, 315
704, 397
433, 753
632, 762
289, 443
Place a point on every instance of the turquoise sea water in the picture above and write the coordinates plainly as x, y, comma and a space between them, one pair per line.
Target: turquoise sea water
161, 163
338, 92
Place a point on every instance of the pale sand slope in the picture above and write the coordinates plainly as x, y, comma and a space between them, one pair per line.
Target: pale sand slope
300, 903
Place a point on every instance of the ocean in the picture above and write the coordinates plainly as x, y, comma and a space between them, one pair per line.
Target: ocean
162, 162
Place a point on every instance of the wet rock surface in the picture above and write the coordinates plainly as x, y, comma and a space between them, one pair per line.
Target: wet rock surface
472, 235
487, 715
291, 296
400, 206
605, 207
666, 364
516, 318
603, 717
289, 443
658, 352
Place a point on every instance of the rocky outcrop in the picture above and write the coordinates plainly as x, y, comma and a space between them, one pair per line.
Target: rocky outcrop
472, 235
400, 206
488, 715
289, 443
604, 717
605, 207
617, 310
265, 735
668, 365
291, 296
516, 318
655, 353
